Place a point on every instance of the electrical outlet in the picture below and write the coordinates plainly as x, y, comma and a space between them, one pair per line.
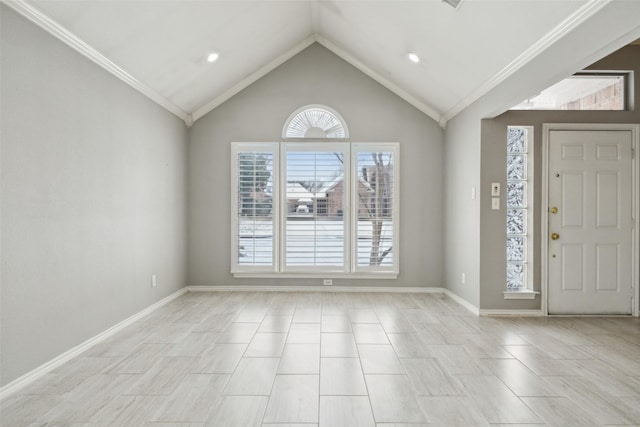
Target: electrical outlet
153, 281
327, 282
463, 278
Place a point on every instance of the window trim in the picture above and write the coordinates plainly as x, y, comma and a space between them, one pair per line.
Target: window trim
237, 148
395, 210
278, 269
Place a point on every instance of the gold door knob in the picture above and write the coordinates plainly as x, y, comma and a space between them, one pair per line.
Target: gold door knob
554, 210
555, 236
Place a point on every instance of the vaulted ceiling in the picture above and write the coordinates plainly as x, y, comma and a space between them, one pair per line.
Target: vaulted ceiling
160, 47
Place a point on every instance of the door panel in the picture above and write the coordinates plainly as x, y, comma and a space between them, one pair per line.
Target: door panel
572, 199
607, 190
607, 267
572, 267
590, 184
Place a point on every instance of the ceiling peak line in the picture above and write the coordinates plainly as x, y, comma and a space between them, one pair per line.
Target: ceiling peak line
558, 32
61, 33
315, 16
426, 109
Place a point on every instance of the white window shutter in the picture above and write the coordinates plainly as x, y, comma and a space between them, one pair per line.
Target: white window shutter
374, 198
254, 212
315, 207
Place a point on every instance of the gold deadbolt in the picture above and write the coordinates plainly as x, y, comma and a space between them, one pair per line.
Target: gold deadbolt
554, 210
555, 236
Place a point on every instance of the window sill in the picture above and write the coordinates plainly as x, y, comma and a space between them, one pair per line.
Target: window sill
328, 275
524, 294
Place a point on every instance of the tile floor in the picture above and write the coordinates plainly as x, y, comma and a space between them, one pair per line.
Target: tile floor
242, 359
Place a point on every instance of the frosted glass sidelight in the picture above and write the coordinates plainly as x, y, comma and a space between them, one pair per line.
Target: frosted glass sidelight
516, 140
517, 203
516, 167
516, 194
515, 276
515, 248
516, 221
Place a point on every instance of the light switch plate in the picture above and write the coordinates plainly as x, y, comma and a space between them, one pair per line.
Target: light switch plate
495, 189
495, 203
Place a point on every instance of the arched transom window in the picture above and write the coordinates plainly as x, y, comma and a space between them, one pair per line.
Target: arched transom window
315, 122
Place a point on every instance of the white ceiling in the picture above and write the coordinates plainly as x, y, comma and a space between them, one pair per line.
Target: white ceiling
160, 47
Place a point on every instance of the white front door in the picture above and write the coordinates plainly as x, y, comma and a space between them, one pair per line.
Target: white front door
590, 225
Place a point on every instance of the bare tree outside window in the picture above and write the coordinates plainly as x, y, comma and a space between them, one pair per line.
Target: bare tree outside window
375, 199
379, 208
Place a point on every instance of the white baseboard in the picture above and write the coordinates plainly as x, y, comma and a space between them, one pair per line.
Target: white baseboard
313, 288
47, 367
511, 313
463, 302
493, 312
375, 289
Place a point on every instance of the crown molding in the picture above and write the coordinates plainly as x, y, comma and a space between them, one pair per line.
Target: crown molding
253, 77
52, 27
55, 29
426, 109
558, 32
58, 31
429, 111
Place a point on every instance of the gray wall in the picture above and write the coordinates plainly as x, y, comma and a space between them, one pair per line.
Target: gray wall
613, 26
494, 134
372, 113
462, 217
93, 199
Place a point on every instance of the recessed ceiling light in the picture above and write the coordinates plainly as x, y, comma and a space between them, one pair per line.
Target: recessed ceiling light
413, 57
212, 57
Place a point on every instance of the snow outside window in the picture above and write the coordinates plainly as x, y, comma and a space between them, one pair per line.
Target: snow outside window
327, 209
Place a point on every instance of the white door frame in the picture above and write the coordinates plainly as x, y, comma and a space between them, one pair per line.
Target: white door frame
635, 259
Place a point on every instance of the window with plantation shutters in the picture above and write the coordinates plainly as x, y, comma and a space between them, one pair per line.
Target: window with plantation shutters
253, 214
315, 227
374, 199
315, 209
